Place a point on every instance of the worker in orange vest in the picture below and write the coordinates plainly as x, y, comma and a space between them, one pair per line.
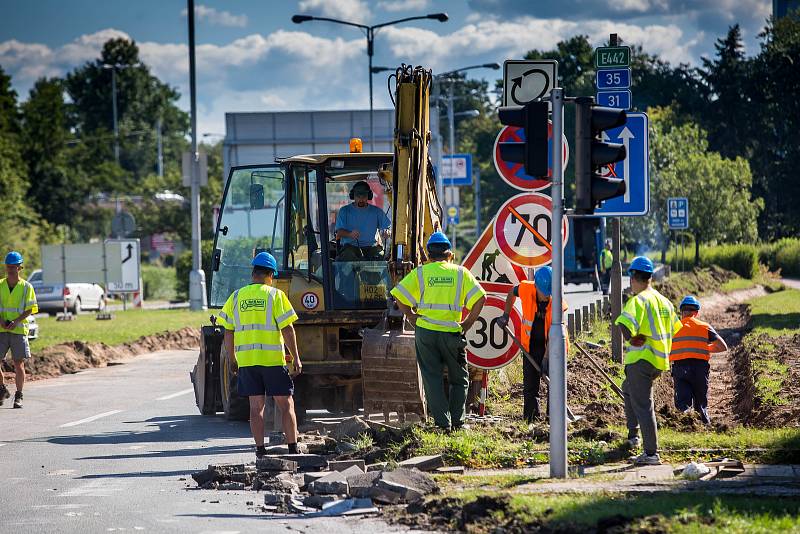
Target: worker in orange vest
691, 350
536, 320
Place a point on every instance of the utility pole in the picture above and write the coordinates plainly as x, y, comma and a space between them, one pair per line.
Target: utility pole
114, 105
197, 278
476, 174
557, 353
160, 147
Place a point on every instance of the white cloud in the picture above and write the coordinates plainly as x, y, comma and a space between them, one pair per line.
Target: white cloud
403, 5
216, 17
349, 10
512, 39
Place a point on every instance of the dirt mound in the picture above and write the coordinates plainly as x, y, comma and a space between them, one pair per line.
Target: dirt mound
760, 408
71, 357
696, 282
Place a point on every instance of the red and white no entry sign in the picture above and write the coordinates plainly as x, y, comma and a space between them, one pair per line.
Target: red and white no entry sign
514, 236
514, 173
488, 345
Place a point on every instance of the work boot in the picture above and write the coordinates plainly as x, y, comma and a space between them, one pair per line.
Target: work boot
261, 451
646, 459
633, 442
4, 394
18, 399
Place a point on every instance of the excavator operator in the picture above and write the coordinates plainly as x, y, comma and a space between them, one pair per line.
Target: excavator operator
357, 225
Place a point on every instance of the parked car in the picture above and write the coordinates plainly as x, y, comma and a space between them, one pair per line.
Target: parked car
78, 296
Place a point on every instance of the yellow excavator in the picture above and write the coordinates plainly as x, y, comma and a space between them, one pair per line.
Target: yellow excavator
355, 350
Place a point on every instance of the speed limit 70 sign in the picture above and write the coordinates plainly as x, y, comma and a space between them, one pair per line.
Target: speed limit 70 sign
488, 345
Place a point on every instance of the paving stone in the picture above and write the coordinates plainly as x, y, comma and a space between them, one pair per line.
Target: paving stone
274, 463
306, 462
424, 463
245, 478
351, 428
412, 478
782, 471
381, 495
332, 484
311, 476
380, 466
317, 501
406, 493
276, 498
341, 465
231, 486
452, 470
360, 485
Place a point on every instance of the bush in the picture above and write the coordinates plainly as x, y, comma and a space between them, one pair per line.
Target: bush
183, 266
783, 255
159, 282
741, 259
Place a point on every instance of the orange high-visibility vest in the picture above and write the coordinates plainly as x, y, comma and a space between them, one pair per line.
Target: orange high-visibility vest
691, 341
527, 293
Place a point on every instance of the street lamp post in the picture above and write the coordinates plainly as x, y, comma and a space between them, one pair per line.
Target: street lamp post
370, 34
113, 68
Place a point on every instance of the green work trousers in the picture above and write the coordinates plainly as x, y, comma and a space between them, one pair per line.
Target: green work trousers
435, 351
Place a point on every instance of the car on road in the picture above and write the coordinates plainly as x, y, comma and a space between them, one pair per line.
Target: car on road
78, 296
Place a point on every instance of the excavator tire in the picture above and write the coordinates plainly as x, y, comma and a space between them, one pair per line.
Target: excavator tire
236, 408
391, 378
204, 375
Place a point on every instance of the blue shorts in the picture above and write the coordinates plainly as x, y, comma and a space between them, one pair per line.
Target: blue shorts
272, 381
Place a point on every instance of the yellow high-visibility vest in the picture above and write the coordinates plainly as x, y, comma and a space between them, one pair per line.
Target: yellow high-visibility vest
14, 303
652, 315
256, 314
439, 291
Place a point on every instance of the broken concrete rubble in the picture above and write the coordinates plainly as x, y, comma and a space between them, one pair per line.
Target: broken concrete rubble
424, 463
341, 465
350, 428
332, 484
272, 463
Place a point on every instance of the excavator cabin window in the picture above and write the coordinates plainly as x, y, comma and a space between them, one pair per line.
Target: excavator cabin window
359, 226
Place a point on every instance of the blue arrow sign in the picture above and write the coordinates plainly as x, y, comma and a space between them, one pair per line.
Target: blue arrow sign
634, 169
613, 78
678, 213
615, 99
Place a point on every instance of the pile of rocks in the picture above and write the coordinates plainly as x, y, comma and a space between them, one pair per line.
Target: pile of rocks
325, 479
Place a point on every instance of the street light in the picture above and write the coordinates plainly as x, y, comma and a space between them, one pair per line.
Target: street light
370, 33
376, 70
113, 68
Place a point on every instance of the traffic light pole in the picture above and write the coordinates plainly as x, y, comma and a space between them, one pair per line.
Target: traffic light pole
558, 362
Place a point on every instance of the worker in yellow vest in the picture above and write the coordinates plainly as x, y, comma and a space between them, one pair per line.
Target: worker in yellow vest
691, 351
536, 320
648, 322
606, 262
258, 329
17, 302
432, 297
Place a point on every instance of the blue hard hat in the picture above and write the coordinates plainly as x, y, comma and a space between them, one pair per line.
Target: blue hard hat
438, 238
641, 263
690, 301
266, 260
543, 278
13, 258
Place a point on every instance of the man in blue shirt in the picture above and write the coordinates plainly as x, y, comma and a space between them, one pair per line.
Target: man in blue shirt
357, 225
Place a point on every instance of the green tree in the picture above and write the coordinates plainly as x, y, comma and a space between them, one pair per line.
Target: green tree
142, 101
9, 114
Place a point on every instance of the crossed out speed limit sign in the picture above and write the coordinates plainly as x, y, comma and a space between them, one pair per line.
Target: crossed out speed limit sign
488, 345
523, 229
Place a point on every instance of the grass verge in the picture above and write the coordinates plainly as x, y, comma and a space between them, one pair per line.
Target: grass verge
776, 314
124, 327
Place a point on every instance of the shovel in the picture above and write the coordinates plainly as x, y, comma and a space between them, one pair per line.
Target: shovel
610, 380
571, 417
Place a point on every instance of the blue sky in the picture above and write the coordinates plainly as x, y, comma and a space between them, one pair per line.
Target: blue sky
251, 57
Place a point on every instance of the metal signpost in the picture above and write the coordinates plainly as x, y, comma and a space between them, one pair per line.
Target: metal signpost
678, 219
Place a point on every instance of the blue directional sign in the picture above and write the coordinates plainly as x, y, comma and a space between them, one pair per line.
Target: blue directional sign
634, 169
613, 78
615, 99
678, 213
457, 169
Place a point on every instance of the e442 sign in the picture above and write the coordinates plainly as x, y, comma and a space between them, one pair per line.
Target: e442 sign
612, 56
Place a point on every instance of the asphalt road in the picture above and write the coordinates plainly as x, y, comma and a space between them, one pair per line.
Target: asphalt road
112, 449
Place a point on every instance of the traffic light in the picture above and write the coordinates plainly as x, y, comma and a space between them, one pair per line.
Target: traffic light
595, 175
532, 117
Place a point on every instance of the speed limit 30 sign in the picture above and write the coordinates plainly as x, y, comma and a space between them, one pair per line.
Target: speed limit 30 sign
488, 344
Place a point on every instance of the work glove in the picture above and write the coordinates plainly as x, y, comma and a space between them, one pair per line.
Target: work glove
502, 321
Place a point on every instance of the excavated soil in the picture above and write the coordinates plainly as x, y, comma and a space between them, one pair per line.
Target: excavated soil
74, 356
752, 409
698, 281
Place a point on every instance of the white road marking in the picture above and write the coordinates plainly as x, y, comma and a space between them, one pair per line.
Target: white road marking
90, 419
178, 394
